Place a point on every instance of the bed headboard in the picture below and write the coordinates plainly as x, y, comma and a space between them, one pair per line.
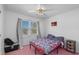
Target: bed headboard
53, 37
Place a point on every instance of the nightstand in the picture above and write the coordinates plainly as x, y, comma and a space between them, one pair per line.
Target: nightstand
71, 45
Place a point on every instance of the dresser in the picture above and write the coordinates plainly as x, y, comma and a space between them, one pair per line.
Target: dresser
71, 46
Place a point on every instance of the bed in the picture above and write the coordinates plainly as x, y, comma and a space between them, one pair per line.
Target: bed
46, 45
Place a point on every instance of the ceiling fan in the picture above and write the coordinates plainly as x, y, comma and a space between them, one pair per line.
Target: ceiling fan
40, 10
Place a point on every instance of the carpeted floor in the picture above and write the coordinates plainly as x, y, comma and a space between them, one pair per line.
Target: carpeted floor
27, 51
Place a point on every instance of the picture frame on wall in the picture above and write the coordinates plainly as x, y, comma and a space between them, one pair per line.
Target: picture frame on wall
54, 23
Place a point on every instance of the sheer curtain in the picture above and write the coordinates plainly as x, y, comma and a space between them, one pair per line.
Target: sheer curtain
19, 33
39, 34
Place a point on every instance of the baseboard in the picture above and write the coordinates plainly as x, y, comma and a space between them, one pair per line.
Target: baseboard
21, 47
2, 53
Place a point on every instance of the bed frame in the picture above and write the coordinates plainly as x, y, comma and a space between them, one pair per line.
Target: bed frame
37, 49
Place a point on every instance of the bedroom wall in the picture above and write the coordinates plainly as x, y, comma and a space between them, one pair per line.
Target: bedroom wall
10, 26
68, 26
1, 29
43, 27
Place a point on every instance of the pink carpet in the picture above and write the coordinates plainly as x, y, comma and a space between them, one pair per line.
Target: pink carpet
27, 51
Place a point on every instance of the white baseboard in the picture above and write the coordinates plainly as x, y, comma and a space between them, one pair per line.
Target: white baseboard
21, 47
1, 53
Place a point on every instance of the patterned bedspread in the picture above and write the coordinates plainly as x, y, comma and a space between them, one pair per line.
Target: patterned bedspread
47, 44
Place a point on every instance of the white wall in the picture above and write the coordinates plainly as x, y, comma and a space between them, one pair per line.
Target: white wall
43, 27
10, 26
68, 26
1, 30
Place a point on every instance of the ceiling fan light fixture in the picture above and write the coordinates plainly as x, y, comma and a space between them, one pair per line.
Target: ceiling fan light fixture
40, 11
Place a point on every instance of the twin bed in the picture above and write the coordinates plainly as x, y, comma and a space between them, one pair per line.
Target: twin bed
48, 44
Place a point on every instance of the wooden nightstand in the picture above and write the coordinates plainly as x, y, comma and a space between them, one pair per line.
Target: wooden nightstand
71, 46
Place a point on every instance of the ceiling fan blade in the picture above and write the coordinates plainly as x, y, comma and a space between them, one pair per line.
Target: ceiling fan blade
31, 11
46, 15
49, 11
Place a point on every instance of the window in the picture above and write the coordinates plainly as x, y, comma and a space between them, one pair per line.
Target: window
33, 27
29, 27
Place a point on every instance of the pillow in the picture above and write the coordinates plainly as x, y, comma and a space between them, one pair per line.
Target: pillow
59, 38
50, 36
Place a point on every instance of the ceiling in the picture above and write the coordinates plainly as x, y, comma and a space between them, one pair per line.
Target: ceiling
52, 9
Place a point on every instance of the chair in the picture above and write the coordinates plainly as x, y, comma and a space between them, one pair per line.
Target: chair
9, 45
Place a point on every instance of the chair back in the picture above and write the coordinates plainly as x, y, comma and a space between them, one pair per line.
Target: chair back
8, 41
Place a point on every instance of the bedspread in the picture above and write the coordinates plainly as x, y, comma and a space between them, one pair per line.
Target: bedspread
47, 44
